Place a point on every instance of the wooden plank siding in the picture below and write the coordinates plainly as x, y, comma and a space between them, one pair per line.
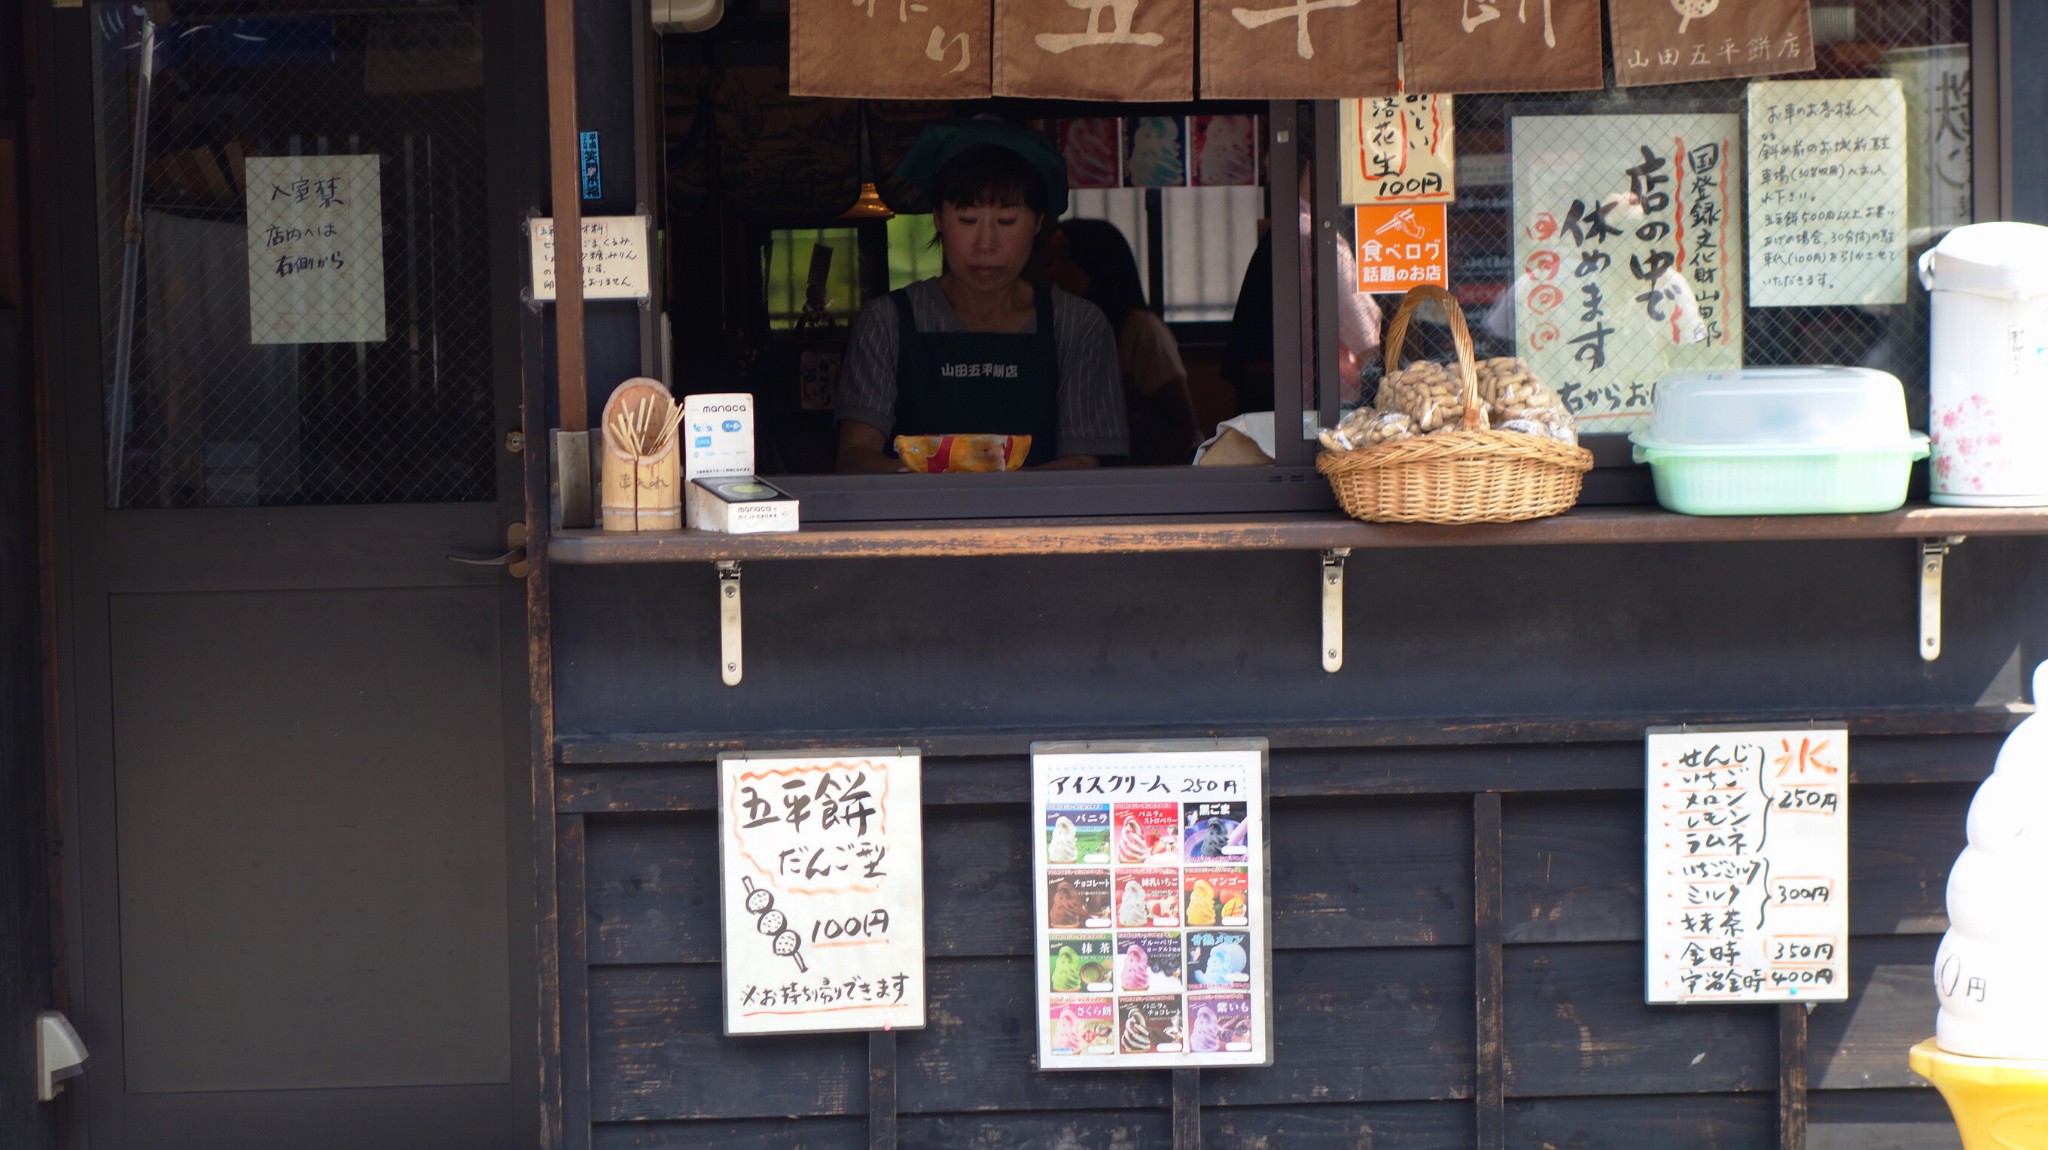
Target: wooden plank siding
1521, 677
1380, 925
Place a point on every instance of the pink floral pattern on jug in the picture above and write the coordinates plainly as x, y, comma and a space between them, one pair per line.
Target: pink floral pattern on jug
1966, 439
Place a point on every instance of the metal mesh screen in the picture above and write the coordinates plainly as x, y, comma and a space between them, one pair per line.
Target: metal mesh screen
1523, 147
293, 254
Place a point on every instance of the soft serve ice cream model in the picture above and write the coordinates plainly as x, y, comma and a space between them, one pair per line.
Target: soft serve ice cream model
1989, 1056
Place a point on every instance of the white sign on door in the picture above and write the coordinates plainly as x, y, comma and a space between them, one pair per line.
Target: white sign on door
822, 891
316, 249
1747, 853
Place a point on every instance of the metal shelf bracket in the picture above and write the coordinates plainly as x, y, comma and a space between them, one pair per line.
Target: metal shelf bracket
1333, 607
729, 621
1933, 555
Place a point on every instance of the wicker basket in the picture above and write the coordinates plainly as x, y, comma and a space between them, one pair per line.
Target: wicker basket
1462, 476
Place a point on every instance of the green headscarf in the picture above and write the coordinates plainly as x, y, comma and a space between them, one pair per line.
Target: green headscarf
941, 143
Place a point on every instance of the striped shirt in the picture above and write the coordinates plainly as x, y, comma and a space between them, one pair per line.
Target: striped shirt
1091, 396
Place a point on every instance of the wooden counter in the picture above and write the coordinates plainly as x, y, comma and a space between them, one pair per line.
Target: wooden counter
1299, 532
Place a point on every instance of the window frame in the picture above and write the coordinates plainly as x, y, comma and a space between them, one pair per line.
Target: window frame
1291, 484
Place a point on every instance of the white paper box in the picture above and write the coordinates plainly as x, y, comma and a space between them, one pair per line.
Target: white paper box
740, 505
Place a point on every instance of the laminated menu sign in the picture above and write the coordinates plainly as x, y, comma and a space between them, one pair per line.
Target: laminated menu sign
1827, 192
1747, 849
1152, 904
1628, 256
821, 887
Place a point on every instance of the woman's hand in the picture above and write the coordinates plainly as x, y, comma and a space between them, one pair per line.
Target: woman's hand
862, 450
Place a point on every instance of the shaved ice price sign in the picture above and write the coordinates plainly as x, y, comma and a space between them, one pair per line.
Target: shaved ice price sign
1748, 865
1153, 910
822, 890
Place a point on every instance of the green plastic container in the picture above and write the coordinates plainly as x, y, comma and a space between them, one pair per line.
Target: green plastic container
1821, 440
1698, 480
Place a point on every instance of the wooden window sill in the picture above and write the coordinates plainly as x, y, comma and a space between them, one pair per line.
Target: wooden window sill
1306, 531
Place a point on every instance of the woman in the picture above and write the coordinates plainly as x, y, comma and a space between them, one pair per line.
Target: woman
1092, 259
1248, 356
977, 349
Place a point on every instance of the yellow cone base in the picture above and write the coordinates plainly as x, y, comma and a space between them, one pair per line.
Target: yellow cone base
1999, 1104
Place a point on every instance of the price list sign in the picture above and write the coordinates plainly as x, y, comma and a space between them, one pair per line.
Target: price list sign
1747, 865
1152, 904
822, 891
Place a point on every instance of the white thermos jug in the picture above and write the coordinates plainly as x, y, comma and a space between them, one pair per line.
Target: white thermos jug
1988, 365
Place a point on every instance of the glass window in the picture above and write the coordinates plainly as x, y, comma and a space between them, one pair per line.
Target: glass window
1613, 237
814, 270
302, 315
1665, 173
1209, 237
913, 250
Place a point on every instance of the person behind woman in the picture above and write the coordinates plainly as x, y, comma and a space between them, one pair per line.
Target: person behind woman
1091, 259
976, 349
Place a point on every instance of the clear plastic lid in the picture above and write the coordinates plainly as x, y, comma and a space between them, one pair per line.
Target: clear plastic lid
1774, 407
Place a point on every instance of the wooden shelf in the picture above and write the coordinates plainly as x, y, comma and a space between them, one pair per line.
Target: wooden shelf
1357, 735
668, 771
1131, 535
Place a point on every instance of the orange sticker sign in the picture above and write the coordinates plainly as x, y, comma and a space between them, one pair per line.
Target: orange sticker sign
1401, 245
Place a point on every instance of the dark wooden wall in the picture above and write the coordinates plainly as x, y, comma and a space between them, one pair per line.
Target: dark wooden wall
26, 984
1464, 798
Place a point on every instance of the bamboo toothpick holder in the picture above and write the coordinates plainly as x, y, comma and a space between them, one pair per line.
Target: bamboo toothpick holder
642, 469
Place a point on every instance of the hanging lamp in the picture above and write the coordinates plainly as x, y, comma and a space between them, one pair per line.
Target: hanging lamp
869, 205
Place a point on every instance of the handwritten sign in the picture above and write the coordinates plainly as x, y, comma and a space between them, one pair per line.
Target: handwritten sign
1095, 49
1152, 906
1298, 49
1628, 240
316, 249
614, 257
1827, 192
822, 891
889, 49
1397, 149
1501, 45
1687, 40
1747, 865
1936, 85
1400, 245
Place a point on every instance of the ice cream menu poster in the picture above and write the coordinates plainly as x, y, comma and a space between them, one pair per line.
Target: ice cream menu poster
822, 891
1747, 854
1152, 905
